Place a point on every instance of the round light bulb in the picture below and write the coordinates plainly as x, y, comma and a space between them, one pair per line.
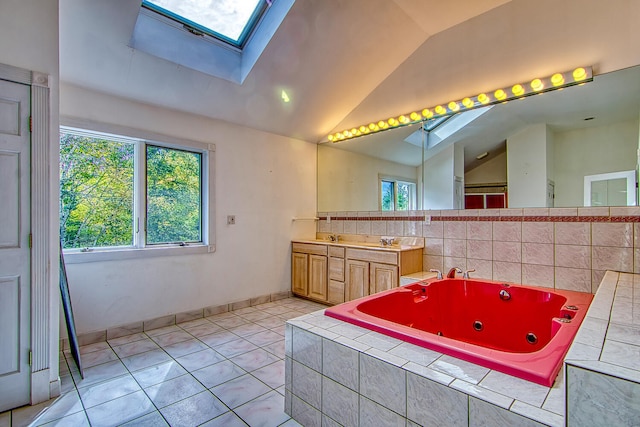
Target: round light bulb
392, 121
341, 136
403, 119
517, 90
362, 128
467, 102
427, 114
500, 94
454, 106
346, 134
440, 109
537, 85
414, 116
579, 74
373, 126
483, 98
557, 79
331, 137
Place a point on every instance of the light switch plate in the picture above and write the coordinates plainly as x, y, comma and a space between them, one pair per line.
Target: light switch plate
231, 219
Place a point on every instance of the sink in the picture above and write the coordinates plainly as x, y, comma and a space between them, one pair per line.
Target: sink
373, 245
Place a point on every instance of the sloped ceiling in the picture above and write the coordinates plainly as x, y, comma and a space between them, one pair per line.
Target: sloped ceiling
329, 55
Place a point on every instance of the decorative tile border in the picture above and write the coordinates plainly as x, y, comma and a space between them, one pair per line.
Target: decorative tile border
550, 218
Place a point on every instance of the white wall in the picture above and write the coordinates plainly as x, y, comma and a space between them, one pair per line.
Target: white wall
29, 40
263, 179
589, 151
493, 170
439, 180
349, 181
527, 167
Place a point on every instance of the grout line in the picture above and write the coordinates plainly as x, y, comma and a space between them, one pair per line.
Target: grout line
144, 336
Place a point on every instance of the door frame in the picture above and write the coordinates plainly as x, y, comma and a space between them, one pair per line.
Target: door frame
44, 330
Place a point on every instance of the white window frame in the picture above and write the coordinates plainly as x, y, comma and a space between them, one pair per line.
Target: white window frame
161, 36
139, 249
396, 180
628, 176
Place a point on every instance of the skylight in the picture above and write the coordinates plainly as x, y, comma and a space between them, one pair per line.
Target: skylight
221, 38
231, 21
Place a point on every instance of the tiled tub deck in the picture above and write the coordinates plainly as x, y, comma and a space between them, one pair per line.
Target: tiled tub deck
340, 374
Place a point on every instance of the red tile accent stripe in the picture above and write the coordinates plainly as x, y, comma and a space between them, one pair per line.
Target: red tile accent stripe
420, 218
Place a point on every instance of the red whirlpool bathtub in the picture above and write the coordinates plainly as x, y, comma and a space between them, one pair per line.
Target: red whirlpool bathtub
523, 331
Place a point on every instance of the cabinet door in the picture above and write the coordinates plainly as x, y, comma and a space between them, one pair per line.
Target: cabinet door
318, 277
299, 273
357, 279
336, 269
383, 277
336, 292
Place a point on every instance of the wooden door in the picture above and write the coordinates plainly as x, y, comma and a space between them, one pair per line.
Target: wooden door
318, 277
299, 273
357, 279
15, 253
383, 277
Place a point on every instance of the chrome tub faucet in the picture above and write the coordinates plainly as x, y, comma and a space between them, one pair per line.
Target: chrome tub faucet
452, 273
438, 273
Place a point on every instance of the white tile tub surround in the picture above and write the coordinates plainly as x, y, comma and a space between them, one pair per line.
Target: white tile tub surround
370, 379
341, 374
603, 364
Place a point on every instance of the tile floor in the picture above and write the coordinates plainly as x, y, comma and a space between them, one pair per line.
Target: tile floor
223, 370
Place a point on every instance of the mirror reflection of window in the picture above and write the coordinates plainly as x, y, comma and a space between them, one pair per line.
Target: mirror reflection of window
397, 195
610, 189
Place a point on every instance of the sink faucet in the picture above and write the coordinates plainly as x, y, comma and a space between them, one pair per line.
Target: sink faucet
466, 273
438, 273
387, 241
452, 273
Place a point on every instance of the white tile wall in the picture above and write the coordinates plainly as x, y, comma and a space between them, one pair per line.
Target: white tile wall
566, 251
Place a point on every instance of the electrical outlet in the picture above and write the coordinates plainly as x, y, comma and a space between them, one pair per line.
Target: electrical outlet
231, 219
427, 219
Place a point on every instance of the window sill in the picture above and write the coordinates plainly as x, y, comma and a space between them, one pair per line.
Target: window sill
101, 255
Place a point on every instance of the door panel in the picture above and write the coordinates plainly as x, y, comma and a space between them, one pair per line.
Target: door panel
10, 196
318, 277
357, 279
15, 254
299, 274
383, 277
10, 316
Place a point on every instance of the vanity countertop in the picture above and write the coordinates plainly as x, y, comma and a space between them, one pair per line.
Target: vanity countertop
367, 242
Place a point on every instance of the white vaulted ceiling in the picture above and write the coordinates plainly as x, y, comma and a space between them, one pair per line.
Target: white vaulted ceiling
331, 56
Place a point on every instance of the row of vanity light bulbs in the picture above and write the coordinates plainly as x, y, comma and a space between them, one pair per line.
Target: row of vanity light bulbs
539, 85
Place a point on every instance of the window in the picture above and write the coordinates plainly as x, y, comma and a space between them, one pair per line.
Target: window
222, 38
231, 21
125, 193
397, 194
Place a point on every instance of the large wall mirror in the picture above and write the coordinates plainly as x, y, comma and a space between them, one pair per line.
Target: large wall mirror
532, 152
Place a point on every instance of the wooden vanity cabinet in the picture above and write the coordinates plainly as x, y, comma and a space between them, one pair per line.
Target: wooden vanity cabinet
309, 271
371, 271
336, 275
